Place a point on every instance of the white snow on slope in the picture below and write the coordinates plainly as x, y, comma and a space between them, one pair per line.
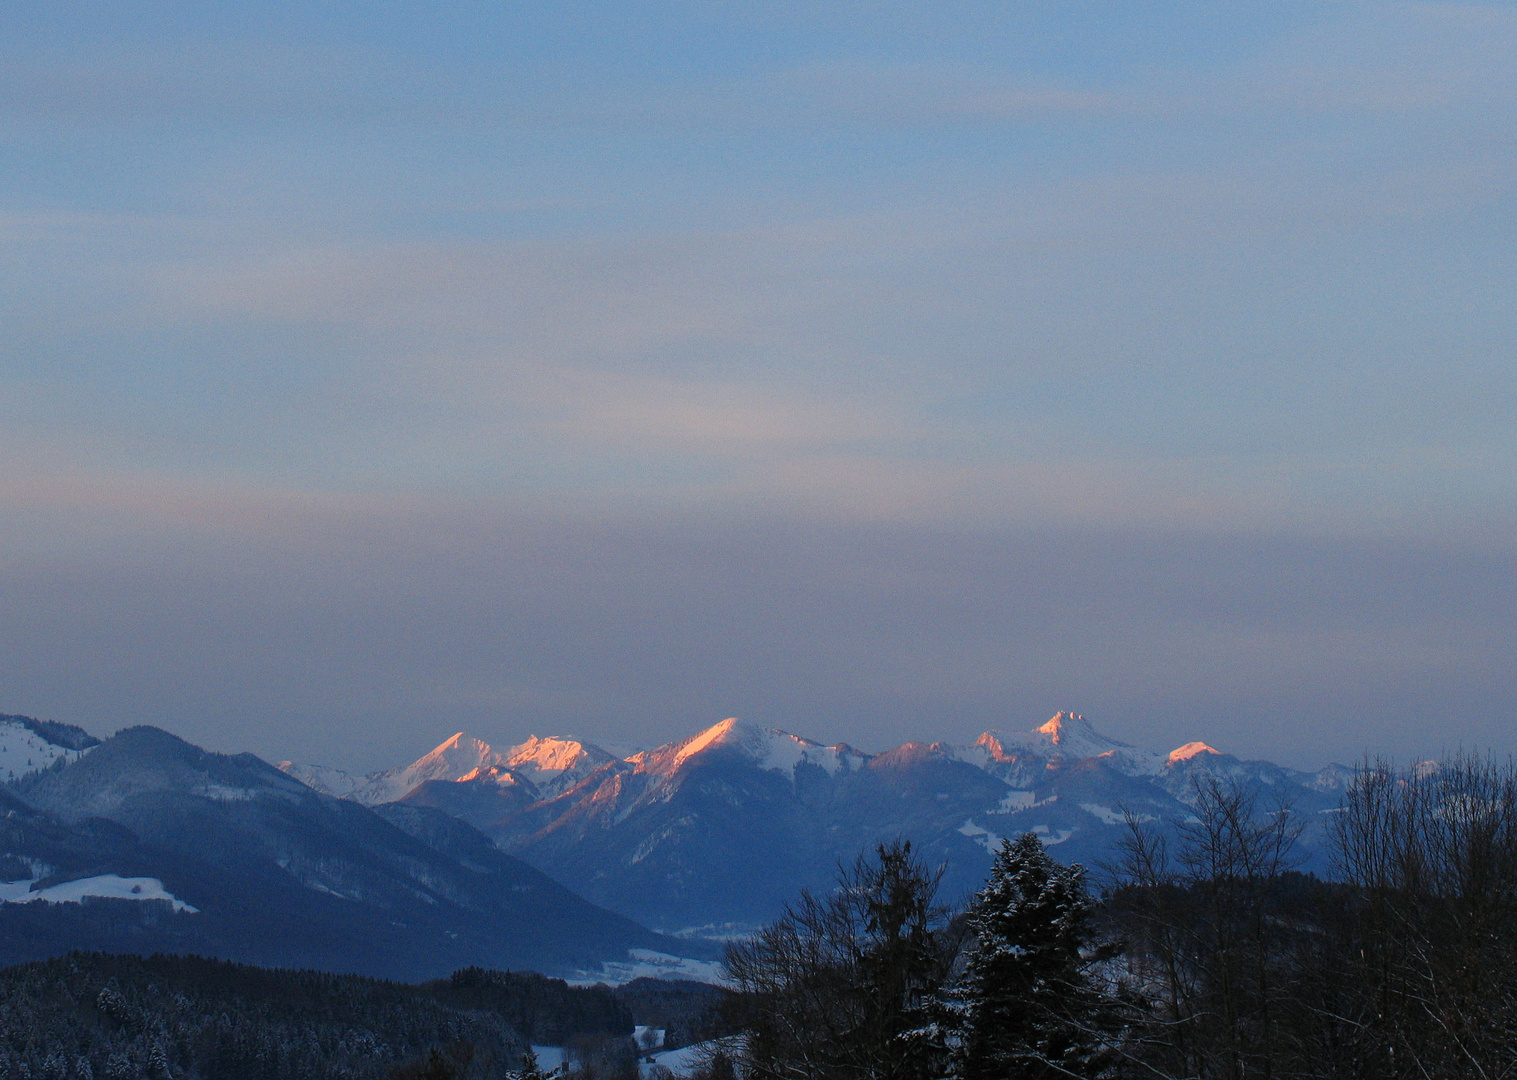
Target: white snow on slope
769, 748
454, 758
688, 1060
1112, 817
981, 835
324, 778
1066, 737
552, 765
647, 1037
106, 886
1020, 800
23, 751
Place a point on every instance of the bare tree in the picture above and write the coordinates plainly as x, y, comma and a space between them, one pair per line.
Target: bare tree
838, 986
1432, 852
1209, 947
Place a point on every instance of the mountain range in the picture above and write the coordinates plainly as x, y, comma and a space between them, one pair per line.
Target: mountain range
712, 834
144, 843
553, 854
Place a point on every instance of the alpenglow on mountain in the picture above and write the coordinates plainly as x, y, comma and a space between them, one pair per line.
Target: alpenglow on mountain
144, 843
714, 833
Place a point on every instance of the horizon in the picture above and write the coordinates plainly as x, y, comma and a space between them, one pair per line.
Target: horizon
869, 372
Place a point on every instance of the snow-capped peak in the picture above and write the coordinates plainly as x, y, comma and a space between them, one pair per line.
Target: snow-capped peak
769, 748
730, 732
458, 754
1066, 737
455, 758
554, 754
555, 764
1191, 750
1072, 734
992, 747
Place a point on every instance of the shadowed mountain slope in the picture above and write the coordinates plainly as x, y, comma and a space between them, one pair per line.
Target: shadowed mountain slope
280, 874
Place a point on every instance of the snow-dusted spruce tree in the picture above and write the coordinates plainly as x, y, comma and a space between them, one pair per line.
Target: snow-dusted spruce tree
1025, 1006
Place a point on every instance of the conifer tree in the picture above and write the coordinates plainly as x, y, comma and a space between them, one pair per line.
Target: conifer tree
1025, 1006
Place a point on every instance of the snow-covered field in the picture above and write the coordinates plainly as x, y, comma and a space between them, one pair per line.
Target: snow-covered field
105, 886
687, 1059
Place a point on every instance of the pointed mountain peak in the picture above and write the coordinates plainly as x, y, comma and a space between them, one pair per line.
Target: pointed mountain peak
1063, 725
459, 751
1071, 735
729, 732
994, 747
1067, 736
1192, 750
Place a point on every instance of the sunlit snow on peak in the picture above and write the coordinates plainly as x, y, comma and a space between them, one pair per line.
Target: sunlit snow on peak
1191, 750
769, 748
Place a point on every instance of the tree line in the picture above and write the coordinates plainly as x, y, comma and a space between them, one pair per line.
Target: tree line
1200, 953
92, 1016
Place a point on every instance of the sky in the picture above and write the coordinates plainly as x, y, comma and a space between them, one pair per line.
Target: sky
370, 372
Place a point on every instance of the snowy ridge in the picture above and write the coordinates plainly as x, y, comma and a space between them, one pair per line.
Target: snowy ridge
549, 766
554, 764
1068, 736
719, 829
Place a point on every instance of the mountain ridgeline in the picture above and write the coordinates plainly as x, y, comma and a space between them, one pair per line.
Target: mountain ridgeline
714, 833
553, 855
144, 843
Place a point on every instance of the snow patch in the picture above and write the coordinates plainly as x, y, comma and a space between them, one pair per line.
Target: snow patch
1050, 837
555, 764
1065, 738
1019, 800
989, 840
222, 793
1112, 817
23, 751
105, 886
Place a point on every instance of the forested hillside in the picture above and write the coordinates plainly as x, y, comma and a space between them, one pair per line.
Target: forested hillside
101, 1017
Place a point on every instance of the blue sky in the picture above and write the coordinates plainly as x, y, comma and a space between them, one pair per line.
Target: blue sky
877, 371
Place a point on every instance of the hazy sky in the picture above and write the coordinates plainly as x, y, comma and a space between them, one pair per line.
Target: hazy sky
876, 371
